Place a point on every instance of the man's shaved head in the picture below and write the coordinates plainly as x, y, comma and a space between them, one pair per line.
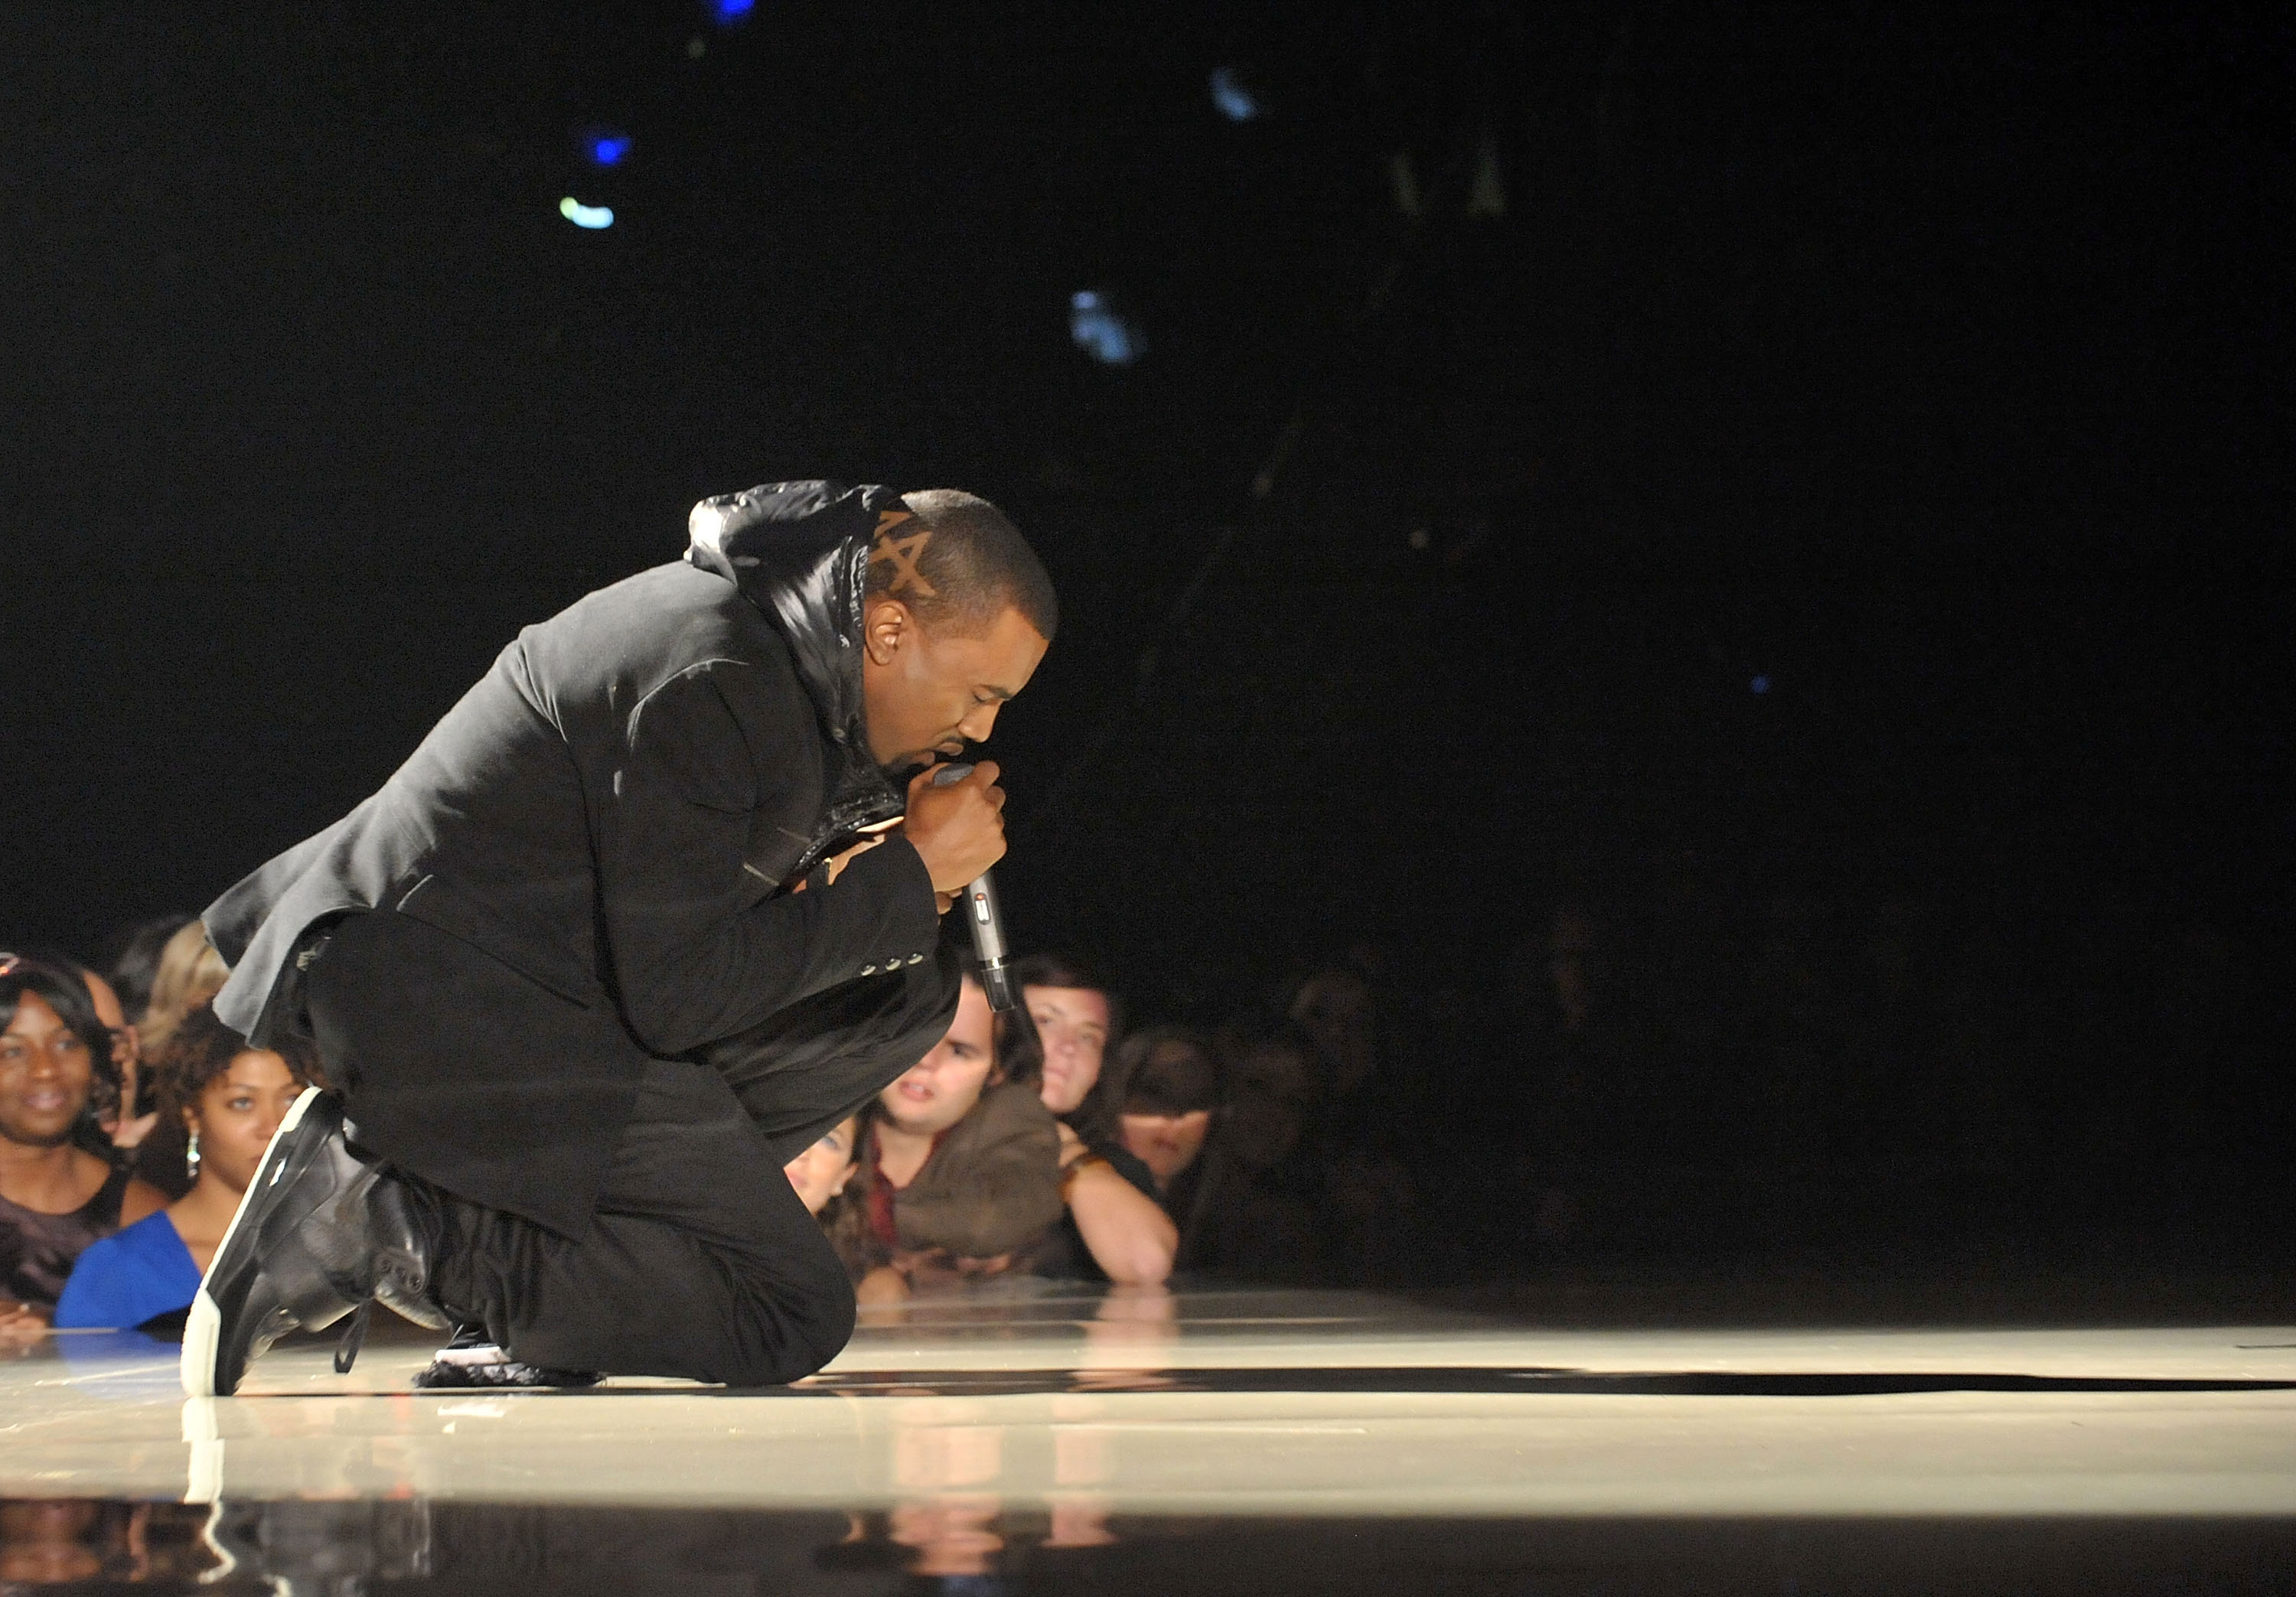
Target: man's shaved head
956, 562
956, 617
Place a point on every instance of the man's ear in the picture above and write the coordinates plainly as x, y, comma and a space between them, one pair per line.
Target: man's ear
886, 625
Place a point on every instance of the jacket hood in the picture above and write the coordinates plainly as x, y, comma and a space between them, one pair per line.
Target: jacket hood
799, 552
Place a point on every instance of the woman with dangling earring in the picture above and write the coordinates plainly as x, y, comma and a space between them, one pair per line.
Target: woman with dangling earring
229, 1098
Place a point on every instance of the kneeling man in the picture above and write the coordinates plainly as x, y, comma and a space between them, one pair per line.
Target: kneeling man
653, 906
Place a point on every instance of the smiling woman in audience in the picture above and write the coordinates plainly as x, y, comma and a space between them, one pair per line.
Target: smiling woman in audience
229, 1097
57, 1193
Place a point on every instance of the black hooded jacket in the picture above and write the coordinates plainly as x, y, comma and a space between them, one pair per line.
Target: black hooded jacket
617, 810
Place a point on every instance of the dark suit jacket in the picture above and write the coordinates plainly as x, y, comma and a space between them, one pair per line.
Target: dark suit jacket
615, 812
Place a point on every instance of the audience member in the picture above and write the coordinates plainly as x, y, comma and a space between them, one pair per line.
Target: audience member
1256, 1202
1170, 1087
1363, 1122
1333, 1007
1366, 1115
129, 1118
1078, 1019
960, 1168
229, 1097
821, 1175
132, 957
1271, 1089
1226, 1172
57, 1192
1111, 1227
190, 973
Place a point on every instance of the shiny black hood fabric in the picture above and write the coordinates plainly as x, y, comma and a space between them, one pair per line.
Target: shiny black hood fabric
799, 552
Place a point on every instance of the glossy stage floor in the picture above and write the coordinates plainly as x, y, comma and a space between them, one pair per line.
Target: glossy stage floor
1022, 1439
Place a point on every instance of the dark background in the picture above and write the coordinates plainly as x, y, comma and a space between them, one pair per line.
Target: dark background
1931, 369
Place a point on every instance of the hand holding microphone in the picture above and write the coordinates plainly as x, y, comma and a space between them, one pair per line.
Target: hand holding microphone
956, 820
956, 823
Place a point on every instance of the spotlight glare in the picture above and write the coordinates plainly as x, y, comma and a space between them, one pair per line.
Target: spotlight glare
726, 13
1235, 98
608, 149
1103, 332
592, 217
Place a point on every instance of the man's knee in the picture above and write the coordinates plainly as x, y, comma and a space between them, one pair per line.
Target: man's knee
791, 1328
832, 1326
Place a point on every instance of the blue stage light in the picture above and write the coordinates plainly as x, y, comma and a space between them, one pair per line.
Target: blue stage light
1760, 685
1235, 98
593, 217
726, 13
1103, 332
608, 149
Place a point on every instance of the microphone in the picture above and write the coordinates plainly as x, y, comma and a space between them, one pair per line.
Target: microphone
981, 914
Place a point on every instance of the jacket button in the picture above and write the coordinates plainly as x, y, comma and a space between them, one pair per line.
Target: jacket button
868, 969
916, 959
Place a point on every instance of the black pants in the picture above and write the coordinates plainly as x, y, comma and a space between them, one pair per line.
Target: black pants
697, 1259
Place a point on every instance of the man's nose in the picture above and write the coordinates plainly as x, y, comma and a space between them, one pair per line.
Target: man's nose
977, 726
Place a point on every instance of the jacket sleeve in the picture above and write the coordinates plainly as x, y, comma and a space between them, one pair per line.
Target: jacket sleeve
992, 1185
695, 954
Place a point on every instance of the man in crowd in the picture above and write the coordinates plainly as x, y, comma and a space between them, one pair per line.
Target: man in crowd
645, 914
961, 1168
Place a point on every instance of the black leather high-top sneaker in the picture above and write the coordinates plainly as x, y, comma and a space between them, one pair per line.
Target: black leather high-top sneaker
323, 1233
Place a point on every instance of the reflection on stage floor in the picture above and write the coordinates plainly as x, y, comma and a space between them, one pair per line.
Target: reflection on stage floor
1026, 1437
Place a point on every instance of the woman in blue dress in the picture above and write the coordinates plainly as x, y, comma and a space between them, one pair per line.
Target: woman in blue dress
230, 1099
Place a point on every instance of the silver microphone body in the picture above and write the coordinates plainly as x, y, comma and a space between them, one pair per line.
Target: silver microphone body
982, 917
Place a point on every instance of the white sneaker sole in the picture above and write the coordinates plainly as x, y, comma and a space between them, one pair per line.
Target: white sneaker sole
203, 1326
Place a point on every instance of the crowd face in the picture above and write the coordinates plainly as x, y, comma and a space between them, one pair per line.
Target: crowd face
1334, 1007
1073, 1024
1166, 1144
942, 1087
821, 1172
1273, 1089
237, 1113
125, 1052
46, 1075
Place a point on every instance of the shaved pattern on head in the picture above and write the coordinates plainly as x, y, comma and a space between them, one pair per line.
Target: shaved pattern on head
955, 561
902, 552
